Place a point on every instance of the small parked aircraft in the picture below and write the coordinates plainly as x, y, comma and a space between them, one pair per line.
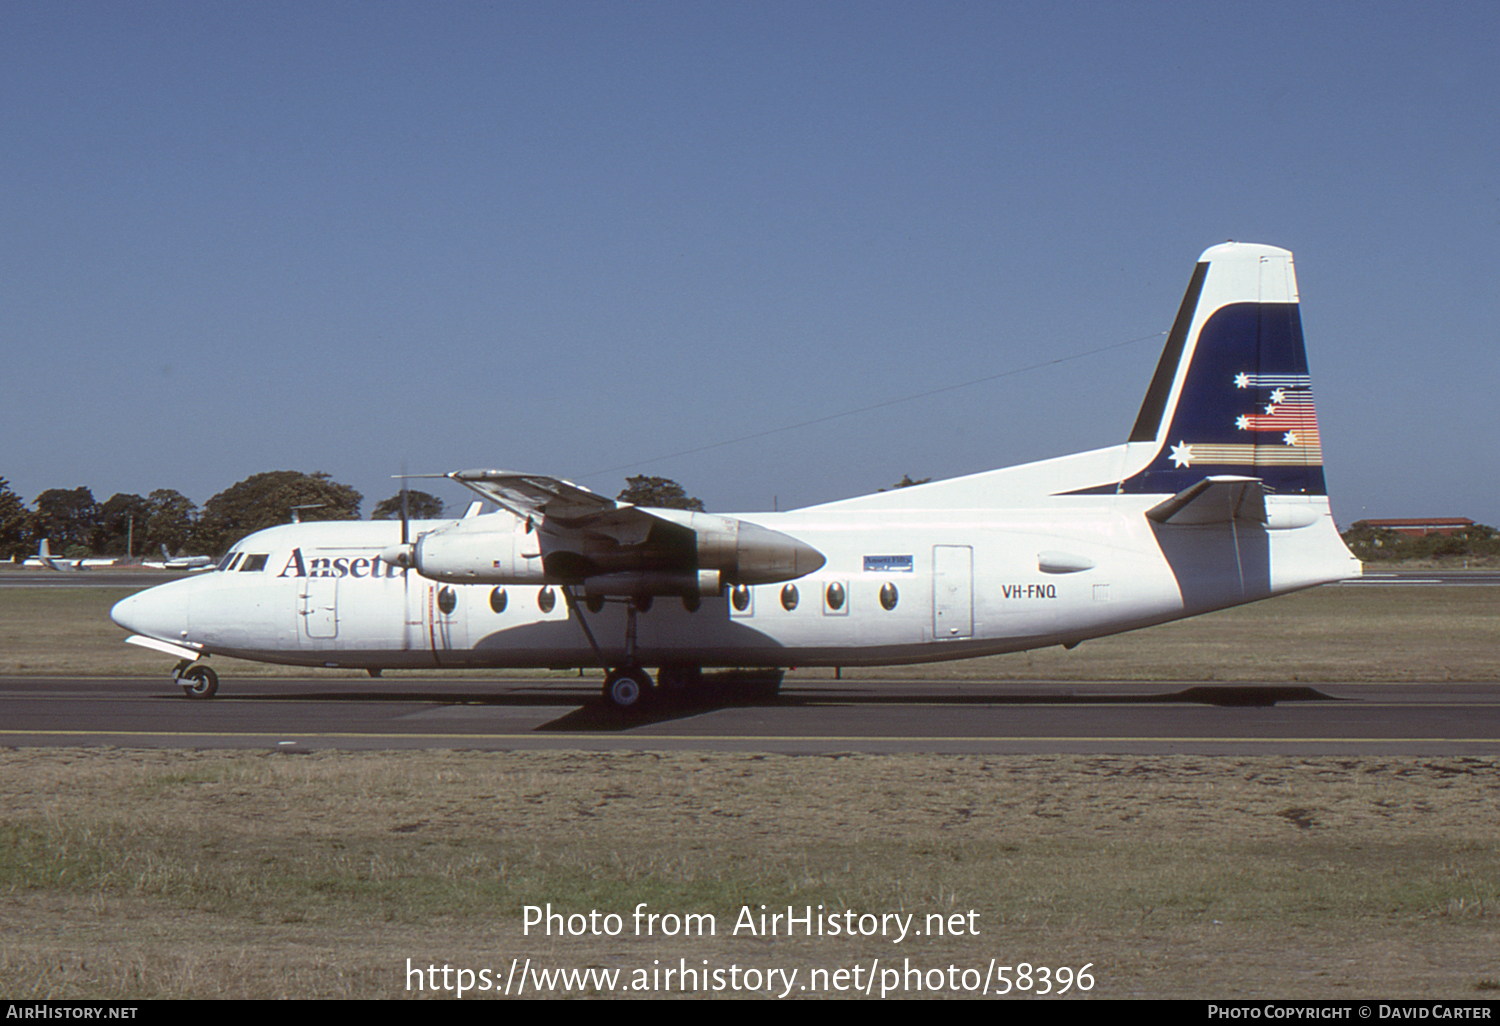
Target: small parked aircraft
1217, 498
181, 562
44, 557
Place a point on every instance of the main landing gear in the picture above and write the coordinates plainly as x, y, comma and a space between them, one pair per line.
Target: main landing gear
198, 680
627, 686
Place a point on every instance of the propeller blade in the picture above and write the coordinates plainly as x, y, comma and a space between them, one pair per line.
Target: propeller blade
405, 509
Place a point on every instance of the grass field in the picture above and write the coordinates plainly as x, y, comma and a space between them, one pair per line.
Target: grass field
244, 874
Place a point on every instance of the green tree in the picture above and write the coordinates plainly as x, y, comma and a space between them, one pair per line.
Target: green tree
1381, 544
15, 524
171, 518
419, 506
906, 482
67, 517
658, 492
121, 526
265, 500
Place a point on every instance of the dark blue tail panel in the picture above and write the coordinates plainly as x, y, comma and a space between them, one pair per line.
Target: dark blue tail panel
1246, 407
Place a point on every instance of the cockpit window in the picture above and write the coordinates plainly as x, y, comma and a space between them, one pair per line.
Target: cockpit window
254, 563
228, 560
234, 561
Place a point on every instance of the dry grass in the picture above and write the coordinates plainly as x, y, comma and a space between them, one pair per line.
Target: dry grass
203, 874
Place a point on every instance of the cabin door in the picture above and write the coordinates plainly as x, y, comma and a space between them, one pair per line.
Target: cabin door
952, 592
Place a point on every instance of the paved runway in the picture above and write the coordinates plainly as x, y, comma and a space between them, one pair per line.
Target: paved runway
819, 717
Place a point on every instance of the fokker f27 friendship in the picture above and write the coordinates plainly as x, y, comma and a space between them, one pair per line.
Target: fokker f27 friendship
1216, 499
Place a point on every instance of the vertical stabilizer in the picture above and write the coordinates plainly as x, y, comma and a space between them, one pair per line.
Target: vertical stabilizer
1231, 395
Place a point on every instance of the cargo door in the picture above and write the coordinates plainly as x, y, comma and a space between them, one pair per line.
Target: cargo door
318, 607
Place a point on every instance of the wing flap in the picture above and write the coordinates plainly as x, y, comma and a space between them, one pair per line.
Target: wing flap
535, 496
559, 506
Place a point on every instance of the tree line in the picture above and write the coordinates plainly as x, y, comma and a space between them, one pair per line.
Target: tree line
77, 525
1374, 544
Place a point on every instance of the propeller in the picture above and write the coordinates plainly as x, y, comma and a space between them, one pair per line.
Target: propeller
403, 555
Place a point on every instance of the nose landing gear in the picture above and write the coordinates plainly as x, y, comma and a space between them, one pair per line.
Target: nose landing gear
198, 680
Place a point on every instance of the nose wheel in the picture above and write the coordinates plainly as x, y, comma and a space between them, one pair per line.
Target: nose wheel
198, 681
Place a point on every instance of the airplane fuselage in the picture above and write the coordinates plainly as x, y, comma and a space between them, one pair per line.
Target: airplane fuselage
905, 586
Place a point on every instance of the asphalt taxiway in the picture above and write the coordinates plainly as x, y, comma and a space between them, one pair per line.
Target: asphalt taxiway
816, 717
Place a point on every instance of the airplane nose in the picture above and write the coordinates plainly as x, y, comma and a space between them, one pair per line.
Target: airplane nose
159, 612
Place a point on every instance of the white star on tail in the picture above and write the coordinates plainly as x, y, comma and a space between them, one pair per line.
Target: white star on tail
1182, 454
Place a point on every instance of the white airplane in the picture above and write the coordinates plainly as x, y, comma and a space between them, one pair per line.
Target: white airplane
44, 557
181, 562
1216, 499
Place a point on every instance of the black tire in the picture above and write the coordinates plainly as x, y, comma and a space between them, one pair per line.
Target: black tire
199, 682
626, 690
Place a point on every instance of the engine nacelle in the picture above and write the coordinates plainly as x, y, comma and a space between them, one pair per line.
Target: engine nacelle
674, 553
742, 552
482, 550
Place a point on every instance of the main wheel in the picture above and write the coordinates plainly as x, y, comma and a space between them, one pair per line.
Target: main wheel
199, 681
626, 689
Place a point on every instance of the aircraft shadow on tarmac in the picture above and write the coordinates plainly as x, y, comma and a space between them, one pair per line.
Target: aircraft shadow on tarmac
589, 712
598, 716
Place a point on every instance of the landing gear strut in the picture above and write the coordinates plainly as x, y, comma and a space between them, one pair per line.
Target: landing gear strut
627, 686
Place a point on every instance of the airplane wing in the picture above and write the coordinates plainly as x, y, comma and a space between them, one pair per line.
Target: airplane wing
560, 504
534, 495
610, 547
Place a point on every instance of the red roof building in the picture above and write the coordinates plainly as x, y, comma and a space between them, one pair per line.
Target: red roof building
1423, 526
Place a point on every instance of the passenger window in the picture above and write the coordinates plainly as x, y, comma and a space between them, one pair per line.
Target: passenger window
254, 564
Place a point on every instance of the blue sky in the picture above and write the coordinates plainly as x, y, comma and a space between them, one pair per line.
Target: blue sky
584, 238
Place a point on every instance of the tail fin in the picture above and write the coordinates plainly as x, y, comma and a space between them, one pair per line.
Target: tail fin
1231, 395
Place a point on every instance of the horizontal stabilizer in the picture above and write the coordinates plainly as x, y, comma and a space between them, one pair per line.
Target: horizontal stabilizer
1214, 500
